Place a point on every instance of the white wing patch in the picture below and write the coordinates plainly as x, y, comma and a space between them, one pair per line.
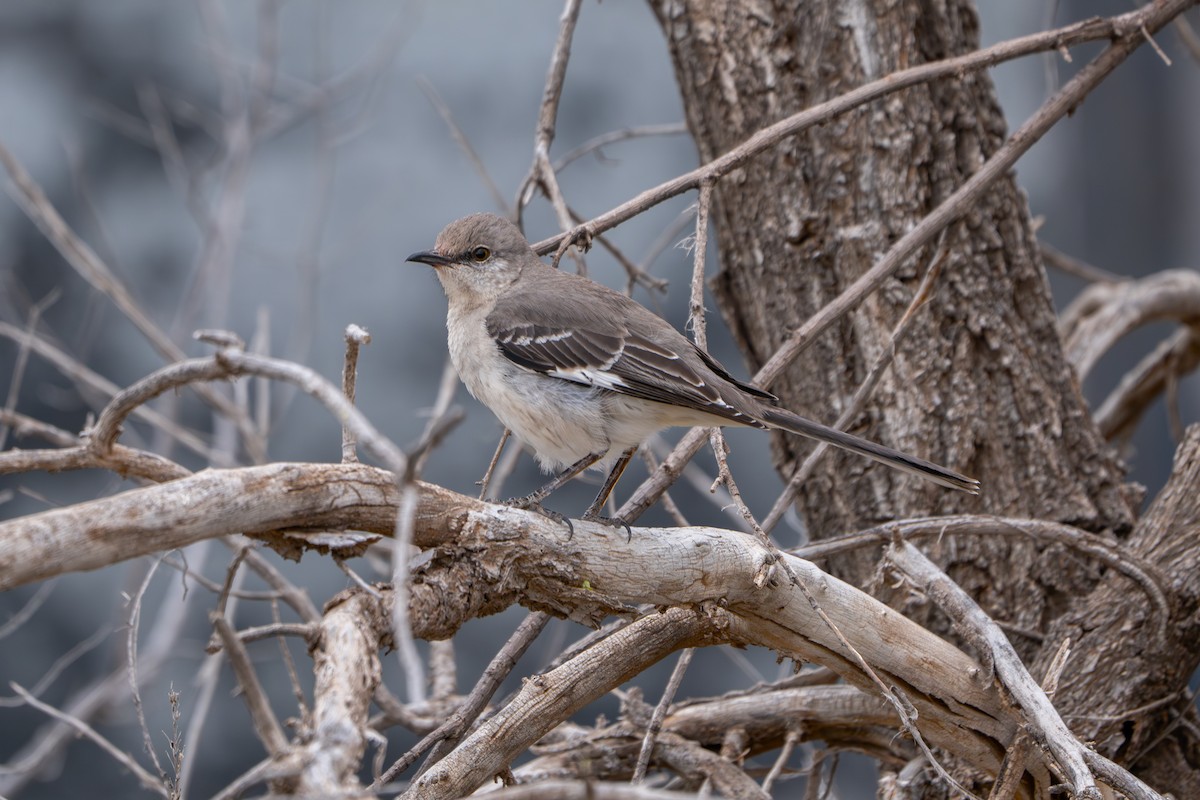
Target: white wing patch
525, 341
601, 379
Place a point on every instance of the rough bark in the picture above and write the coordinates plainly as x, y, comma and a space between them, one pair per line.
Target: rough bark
981, 383
1127, 682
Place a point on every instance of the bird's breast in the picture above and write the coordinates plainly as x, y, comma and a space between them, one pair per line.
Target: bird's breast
559, 420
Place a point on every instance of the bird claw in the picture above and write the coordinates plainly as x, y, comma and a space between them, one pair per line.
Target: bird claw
613, 522
529, 503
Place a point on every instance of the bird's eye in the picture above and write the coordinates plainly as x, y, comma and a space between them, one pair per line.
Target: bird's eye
481, 254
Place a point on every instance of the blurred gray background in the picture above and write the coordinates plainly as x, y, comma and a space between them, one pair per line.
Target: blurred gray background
351, 178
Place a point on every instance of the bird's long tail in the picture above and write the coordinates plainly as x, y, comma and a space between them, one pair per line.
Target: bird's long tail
781, 418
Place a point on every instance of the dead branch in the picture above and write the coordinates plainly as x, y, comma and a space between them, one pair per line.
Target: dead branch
124, 461
1142, 385
259, 499
1104, 313
87, 378
449, 733
555, 695
346, 668
999, 655
522, 556
265, 724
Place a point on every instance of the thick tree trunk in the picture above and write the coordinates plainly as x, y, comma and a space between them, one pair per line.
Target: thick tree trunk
1127, 682
981, 383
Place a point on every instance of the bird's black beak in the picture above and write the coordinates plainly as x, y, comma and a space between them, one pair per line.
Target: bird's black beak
431, 258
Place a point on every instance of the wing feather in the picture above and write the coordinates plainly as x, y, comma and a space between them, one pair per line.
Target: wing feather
605, 354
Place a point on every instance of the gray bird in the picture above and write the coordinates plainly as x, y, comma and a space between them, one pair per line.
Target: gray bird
583, 374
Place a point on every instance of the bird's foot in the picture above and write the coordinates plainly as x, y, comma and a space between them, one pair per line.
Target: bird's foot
614, 522
532, 503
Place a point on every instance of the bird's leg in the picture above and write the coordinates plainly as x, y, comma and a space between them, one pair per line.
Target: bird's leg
593, 512
533, 500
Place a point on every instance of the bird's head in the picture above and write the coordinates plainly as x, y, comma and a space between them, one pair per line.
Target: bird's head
477, 257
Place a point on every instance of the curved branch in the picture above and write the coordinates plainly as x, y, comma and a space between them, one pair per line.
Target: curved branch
125, 461
233, 363
1106, 312
1173, 357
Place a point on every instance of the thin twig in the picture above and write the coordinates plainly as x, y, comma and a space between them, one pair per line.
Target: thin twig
302, 630
1076, 266
131, 647
785, 754
22, 426
442, 420
464, 144
635, 275
452, 729
696, 319
269, 731
50, 674
725, 477
541, 173
1187, 35
486, 482
144, 777
406, 645
23, 614
611, 137
902, 706
260, 344
355, 338
356, 578
504, 470
22, 359
660, 713
209, 673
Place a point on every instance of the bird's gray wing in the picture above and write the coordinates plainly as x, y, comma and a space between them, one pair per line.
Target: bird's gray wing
591, 350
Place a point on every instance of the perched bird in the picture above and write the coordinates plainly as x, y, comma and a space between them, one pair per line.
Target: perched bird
583, 374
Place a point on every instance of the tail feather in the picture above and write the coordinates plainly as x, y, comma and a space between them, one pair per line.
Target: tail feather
786, 420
